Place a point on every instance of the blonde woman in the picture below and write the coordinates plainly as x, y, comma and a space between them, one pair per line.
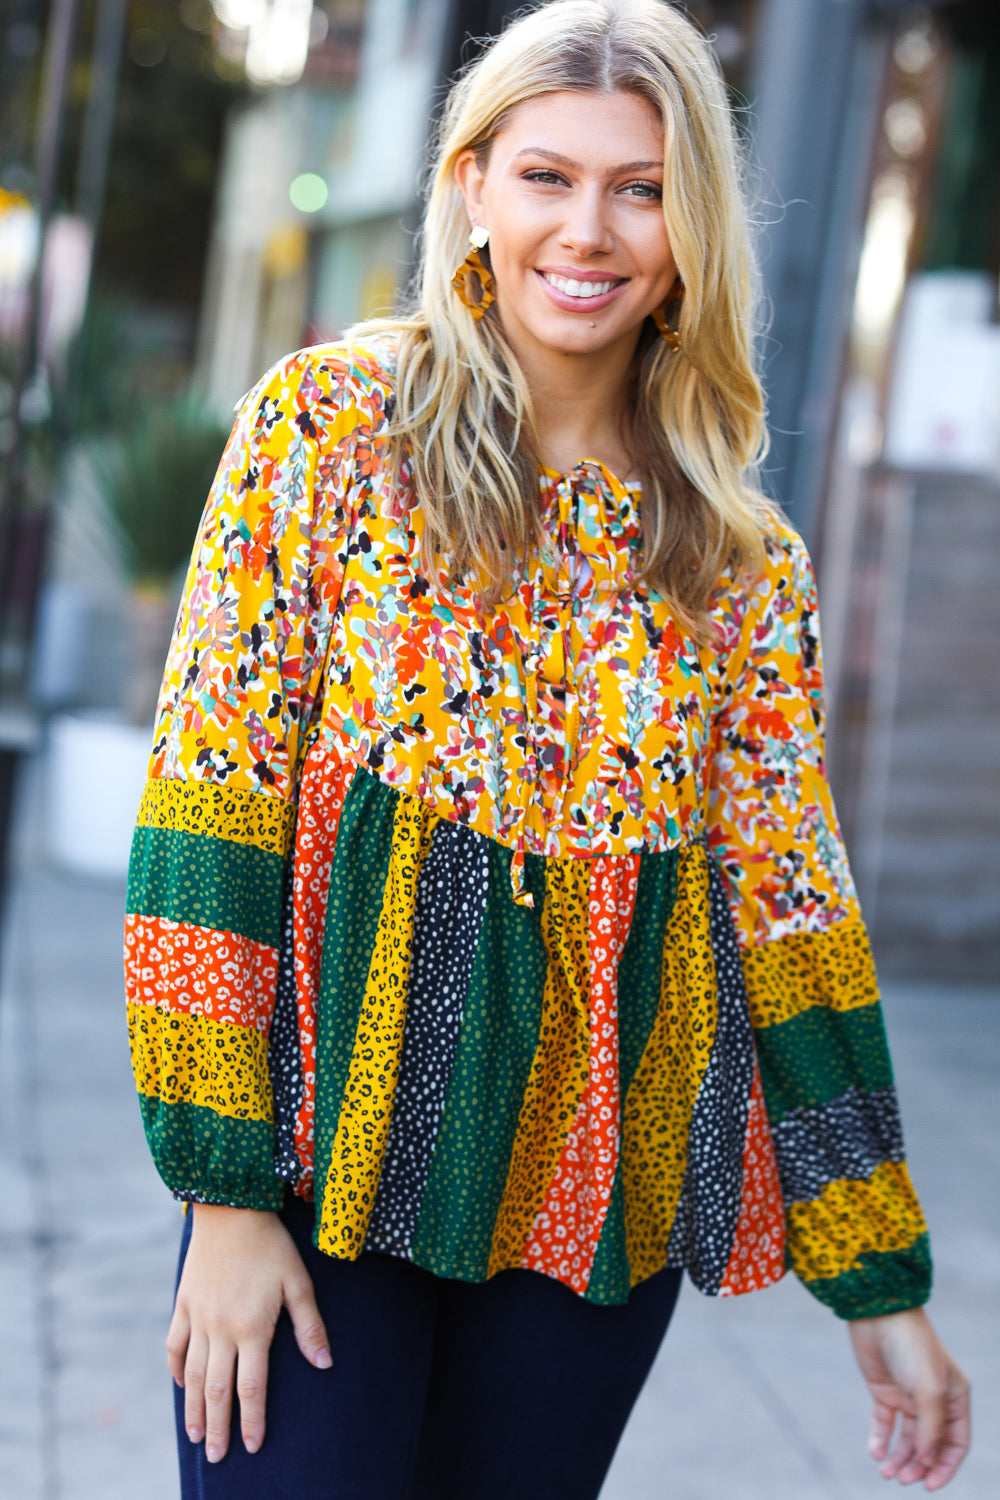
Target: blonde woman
493, 956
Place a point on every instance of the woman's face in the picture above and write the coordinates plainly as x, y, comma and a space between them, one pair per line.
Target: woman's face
572, 198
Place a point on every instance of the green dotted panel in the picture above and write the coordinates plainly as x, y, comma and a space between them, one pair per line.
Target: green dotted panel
819, 1055
220, 1159
187, 877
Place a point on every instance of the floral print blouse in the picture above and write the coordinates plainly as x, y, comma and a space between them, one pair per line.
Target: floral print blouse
517, 935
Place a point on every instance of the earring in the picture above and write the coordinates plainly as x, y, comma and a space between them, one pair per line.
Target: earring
668, 334
473, 275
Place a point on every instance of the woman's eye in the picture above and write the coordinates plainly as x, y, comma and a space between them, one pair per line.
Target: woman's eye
644, 189
544, 176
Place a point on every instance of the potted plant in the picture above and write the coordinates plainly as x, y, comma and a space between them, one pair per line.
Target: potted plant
152, 475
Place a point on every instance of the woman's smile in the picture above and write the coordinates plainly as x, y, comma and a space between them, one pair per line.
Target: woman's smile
581, 291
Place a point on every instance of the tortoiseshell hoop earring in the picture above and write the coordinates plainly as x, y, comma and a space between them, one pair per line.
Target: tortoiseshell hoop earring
473, 276
668, 334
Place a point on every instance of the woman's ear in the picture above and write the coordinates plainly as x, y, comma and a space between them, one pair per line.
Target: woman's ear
470, 178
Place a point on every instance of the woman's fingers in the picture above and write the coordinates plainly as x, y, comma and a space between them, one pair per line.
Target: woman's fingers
880, 1436
903, 1450
911, 1375
218, 1399
251, 1387
956, 1435
195, 1367
930, 1425
178, 1336
310, 1333
948, 1460
207, 1378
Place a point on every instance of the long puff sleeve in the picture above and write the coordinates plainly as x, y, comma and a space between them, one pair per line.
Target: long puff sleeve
208, 867
855, 1232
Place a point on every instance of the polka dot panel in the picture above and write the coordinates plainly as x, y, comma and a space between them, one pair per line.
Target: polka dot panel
207, 882
848, 1137
496, 1052
359, 870
284, 1054
449, 908
232, 1160
351, 1175
708, 1211
820, 1055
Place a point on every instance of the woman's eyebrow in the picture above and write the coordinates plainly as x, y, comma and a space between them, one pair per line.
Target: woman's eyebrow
567, 161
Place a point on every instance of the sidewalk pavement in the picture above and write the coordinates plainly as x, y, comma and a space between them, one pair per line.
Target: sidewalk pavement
753, 1398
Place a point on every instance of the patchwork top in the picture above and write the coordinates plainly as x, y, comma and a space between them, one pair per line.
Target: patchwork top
517, 935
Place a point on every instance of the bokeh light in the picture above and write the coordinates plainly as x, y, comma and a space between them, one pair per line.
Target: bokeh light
308, 192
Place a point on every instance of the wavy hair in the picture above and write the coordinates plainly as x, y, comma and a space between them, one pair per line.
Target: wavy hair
463, 410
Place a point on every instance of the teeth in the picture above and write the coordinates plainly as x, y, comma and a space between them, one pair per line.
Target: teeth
582, 289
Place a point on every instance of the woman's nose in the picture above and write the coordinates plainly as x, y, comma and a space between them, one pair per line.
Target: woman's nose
586, 228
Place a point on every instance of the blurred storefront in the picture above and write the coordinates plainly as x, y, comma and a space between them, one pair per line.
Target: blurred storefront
317, 200
907, 525
877, 127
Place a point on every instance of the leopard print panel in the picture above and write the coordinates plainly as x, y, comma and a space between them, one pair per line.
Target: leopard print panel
833, 968
188, 1059
829, 1235
559, 1072
219, 811
660, 1102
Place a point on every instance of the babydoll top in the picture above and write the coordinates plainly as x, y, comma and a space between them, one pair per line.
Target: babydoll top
518, 935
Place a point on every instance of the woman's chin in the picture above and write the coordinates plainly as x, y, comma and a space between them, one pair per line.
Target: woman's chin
576, 333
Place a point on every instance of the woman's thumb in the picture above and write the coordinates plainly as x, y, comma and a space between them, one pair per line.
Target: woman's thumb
310, 1334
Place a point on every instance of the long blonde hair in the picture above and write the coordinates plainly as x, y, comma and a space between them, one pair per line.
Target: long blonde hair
463, 410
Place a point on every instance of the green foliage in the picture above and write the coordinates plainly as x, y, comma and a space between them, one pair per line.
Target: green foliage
98, 386
113, 370
154, 475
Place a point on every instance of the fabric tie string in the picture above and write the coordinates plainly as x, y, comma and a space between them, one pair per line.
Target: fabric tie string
587, 513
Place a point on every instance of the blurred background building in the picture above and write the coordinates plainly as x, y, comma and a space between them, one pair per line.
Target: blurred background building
188, 191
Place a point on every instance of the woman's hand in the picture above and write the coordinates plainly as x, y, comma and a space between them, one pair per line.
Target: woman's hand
912, 1376
241, 1268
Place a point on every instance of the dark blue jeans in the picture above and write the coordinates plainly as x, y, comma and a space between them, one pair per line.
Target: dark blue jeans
514, 1389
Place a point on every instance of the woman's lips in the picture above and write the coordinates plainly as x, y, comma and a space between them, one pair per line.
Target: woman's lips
555, 283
